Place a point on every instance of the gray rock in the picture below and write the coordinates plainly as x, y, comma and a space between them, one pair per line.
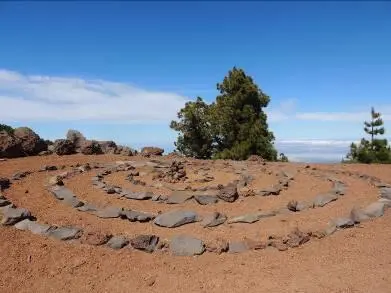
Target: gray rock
183, 245
338, 188
385, 192
206, 199
343, 223
180, 196
145, 243
20, 175
99, 184
237, 247
110, 212
374, 210
387, 202
323, 199
4, 202
33, 227
87, 207
12, 216
138, 195
175, 218
252, 218
213, 220
134, 216
64, 194
64, 233
273, 190
228, 193
117, 242
4, 183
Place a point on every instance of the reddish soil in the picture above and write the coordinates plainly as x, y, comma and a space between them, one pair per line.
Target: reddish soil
351, 260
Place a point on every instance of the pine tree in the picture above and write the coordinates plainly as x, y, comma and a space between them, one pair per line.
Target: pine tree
374, 127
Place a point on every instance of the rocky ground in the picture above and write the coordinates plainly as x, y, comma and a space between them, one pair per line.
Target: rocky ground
147, 223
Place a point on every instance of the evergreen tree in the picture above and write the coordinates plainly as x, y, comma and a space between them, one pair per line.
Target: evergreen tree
233, 127
375, 126
374, 150
195, 139
239, 123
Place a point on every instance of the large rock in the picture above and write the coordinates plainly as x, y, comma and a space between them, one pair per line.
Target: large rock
141, 195
91, 147
10, 146
151, 151
108, 146
175, 218
374, 210
124, 151
252, 218
228, 193
77, 138
12, 216
33, 227
31, 143
64, 147
183, 245
206, 199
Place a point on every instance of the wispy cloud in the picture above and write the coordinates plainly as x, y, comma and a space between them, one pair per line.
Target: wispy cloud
47, 98
315, 150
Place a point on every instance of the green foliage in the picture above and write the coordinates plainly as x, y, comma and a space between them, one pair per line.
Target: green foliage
195, 139
375, 150
7, 128
283, 158
233, 127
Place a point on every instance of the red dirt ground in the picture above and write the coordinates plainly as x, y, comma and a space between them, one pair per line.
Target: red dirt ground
351, 260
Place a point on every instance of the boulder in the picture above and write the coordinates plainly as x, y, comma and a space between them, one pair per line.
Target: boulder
145, 243
108, 146
151, 151
124, 151
175, 219
31, 143
109, 212
183, 245
10, 146
77, 139
91, 147
64, 147
228, 193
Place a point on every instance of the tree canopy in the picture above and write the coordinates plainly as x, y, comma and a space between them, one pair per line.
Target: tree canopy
233, 127
375, 150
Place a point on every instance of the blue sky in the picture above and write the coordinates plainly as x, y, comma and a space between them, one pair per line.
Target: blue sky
121, 70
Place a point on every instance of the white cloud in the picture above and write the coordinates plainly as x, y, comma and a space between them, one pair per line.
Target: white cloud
45, 98
341, 116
